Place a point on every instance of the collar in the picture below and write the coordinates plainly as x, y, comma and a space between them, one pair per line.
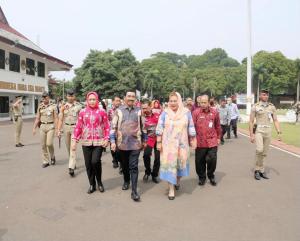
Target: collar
129, 108
264, 104
205, 110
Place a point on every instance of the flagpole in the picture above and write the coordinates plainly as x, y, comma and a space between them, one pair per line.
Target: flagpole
249, 61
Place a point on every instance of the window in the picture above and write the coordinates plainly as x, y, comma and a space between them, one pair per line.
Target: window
14, 62
2, 59
29, 66
4, 105
41, 69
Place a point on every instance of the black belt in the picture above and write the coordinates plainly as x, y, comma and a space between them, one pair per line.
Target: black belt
70, 124
47, 123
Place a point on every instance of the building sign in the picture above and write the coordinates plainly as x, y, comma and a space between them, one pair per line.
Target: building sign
22, 87
8, 85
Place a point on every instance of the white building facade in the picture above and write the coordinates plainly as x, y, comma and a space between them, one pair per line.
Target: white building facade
24, 69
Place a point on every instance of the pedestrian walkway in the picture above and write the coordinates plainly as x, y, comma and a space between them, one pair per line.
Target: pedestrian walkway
46, 204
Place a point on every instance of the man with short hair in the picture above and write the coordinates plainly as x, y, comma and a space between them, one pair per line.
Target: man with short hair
128, 136
68, 117
264, 113
46, 119
234, 115
208, 132
17, 109
115, 154
189, 103
150, 123
224, 118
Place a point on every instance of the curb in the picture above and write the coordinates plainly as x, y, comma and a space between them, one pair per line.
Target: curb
279, 144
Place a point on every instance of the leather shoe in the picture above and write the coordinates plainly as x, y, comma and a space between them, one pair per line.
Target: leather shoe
145, 178
115, 165
91, 189
125, 186
71, 172
45, 165
101, 188
177, 187
171, 197
213, 181
18, 145
53, 161
256, 175
155, 180
135, 197
202, 181
263, 175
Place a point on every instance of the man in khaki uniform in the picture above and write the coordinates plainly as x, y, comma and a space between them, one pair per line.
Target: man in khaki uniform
68, 116
264, 113
17, 110
46, 117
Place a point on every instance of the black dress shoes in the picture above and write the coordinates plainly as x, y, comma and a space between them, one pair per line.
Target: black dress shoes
155, 180
45, 165
53, 161
91, 189
125, 186
202, 181
257, 175
171, 197
263, 175
135, 197
213, 181
101, 188
145, 178
115, 165
71, 172
18, 145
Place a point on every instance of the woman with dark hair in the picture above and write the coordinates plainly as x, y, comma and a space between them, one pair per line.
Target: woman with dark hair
92, 128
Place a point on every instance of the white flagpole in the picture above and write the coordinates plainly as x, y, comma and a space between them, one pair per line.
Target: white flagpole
249, 61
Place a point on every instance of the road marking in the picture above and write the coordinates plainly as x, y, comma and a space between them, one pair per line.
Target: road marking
278, 148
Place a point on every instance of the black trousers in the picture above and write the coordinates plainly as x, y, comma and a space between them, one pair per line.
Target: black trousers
233, 125
92, 157
130, 161
224, 130
206, 157
116, 157
147, 160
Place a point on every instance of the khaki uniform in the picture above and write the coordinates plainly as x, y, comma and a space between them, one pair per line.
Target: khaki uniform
264, 114
47, 130
18, 121
70, 114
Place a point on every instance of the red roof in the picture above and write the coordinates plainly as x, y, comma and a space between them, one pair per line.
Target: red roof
5, 26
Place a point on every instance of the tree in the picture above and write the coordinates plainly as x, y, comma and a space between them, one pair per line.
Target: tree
108, 73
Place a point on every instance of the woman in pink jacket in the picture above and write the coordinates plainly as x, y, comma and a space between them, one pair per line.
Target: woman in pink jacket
92, 128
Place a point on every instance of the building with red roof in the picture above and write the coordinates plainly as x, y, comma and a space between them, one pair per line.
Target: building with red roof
24, 68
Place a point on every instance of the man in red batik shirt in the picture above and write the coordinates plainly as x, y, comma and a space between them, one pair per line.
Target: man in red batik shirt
150, 123
208, 132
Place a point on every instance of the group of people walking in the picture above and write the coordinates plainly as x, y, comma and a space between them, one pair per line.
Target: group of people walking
129, 129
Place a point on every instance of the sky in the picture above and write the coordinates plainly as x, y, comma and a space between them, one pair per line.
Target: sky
68, 29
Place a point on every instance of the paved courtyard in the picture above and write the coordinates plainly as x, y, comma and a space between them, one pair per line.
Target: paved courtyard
47, 205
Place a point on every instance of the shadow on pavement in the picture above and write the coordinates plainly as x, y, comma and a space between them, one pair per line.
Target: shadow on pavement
112, 183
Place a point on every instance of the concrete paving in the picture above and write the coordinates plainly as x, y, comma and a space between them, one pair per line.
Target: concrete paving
47, 205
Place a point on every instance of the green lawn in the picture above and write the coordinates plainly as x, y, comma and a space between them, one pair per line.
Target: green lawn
279, 111
290, 133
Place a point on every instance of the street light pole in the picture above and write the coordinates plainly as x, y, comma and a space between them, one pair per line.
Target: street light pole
249, 61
